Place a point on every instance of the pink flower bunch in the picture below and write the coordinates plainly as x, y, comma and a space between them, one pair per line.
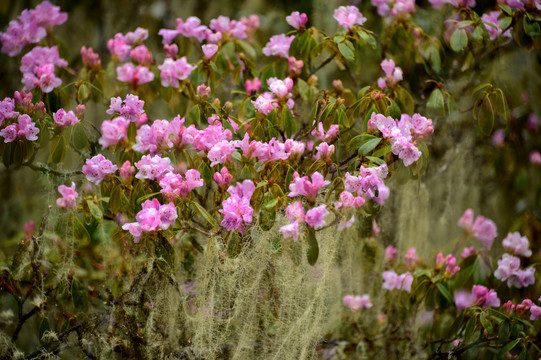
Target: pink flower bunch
223, 178
209, 50
297, 20
113, 131
69, 197
390, 254
468, 251
173, 186
152, 217
252, 86
349, 201
479, 296
508, 269
236, 208
347, 16
314, 218
153, 167
265, 103
393, 74
126, 171
65, 119
369, 183
121, 45
280, 88
158, 136
356, 303
135, 75
304, 187
518, 245
461, 3
391, 281
394, 8
272, 151
131, 108
295, 66
207, 138
38, 67
320, 133
7, 109
278, 45
24, 100
31, 27
535, 158
492, 18
90, 59
449, 262
233, 28
324, 151
174, 70
483, 229
23, 128
97, 168
411, 258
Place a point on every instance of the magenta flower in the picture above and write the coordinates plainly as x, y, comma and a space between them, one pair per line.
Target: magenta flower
303, 186
291, 231
203, 91
237, 213
356, 303
394, 8
141, 55
522, 278
485, 297
297, 20
252, 86
391, 281
134, 75
113, 131
507, 266
295, 66
485, 230
468, 252
24, 128
152, 217
38, 67
131, 108
65, 119
324, 151
280, 88
347, 16
265, 103
153, 167
223, 178
243, 189
295, 212
411, 257
97, 168
126, 171
329, 135
344, 224
209, 50
221, 152
278, 45
463, 299
174, 70
535, 312
390, 254
7, 107
519, 245
466, 220
90, 58
69, 197
315, 217
492, 18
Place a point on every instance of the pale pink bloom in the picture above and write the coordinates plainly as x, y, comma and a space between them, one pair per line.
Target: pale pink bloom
131, 108
522, 278
153, 167
303, 186
535, 158
466, 220
152, 217
209, 50
344, 224
191, 28
297, 20
356, 303
492, 18
90, 58
280, 88
203, 91
221, 152
294, 148
295, 66
243, 189
174, 70
223, 178
394, 8
463, 299
382, 83
507, 266
315, 217
237, 213
519, 245
405, 150
113, 131
291, 230
391, 281
295, 212
38, 68
390, 253
411, 257
141, 54
126, 171
134, 75
485, 230
9, 133
347, 16
278, 45
7, 107
535, 312
69, 197
119, 47
324, 151
375, 228
321, 135
265, 103
170, 50
24, 128
485, 297
252, 86
97, 168
509, 307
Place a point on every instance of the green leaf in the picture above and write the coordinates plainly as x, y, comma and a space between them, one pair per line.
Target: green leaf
470, 329
376, 160
194, 115
436, 104
503, 333
165, 254
445, 292
531, 28
78, 294
145, 197
313, 249
510, 346
505, 22
485, 117
459, 40
487, 324
347, 50
236, 155
369, 146
95, 211
44, 327
80, 139
249, 49
393, 111
382, 151
206, 173
114, 200
288, 121
204, 213
271, 204
58, 150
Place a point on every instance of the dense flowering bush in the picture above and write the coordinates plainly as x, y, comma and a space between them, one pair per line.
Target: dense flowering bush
273, 162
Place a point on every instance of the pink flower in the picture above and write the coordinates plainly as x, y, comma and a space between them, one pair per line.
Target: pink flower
97, 168
153, 167
295, 212
132, 109
69, 197
344, 224
126, 171
463, 299
507, 266
209, 50
221, 152
356, 303
141, 54
492, 18
90, 58
24, 128
321, 135
485, 230
290, 230
315, 217
391, 281
535, 158
517, 244
243, 189
535, 312
324, 151
280, 88
237, 213
390, 253
9, 133
152, 217
295, 66
223, 178
38, 67
265, 103
347, 16
134, 75
522, 278
297, 20
65, 119
509, 307
252, 86
309, 189
113, 131
203, 91
466, 220
278, 45
7, 107
411, 257
485, 297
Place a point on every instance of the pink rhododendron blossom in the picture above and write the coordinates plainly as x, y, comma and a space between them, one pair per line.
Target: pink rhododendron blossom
120, 46
23, 128
290, 230
394, 8
297, 20
535, 312
131, 108
295, 212
347, 16
237, 213
344, 224
303, 186
522, 278
295, 66
369, 183
203, 91
391, 281
492, 18
324, 151
153, 167
126, 171
390, 253
141, 55
509, 307
320, 133
411, 257
535, 158
7, 107
519, 245
252, 86
97, 168
485, 297
466, 220
464, 299
356, 303
173, 186
223, 178
65, 119
38, 68
221, 153
209, 50
462, 3
508, 265
348, 200
135, 75
113, 131
152, 217
278, 45
485, 230
243, 189
69, 197
280, 88
174, 70
265, 103
315, 217
90, 59
161, 135
393, 74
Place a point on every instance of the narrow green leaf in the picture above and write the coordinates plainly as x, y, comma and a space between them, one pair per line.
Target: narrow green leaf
204, 213
347, 50
313, 249
510, 346
194, 115
445, 292
288, 121
95, 211
80, 139
369, 146
78, 294
485, 117
436, 103
58, 150
487, 324
271, 204
145, 197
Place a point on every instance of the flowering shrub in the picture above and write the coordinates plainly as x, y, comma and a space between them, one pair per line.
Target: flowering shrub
222, 164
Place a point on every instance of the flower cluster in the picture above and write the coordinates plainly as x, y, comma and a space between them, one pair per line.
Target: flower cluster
394, 8
391, 281
69, 197
356, 303
65, 119
174, 70
153, 167
479, 296
152, 217
449, 262
173, 186
483, 229
38, 68
31, 27
297, 20
23, 128
131, 108
509, 266
348, 16
393, 74
236, 208
494, 31
369, 183
278, 45
315, 218
97, 168
124, 47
